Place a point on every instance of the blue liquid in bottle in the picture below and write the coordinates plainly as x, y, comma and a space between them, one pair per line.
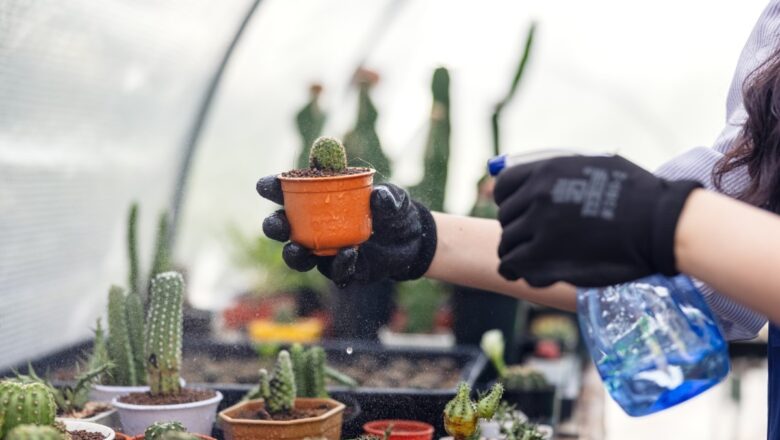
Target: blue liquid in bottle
654, 341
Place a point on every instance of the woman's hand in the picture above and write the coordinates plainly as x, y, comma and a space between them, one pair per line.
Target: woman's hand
401, 246
589, 221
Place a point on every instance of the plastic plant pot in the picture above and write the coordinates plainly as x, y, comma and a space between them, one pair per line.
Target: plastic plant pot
197, 417
107, 393
401, 429
328, 213
79, 425
141, 437
326, 425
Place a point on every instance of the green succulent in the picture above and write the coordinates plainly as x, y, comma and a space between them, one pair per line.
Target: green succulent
327, 154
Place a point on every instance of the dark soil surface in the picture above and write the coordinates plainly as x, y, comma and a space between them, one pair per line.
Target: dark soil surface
89, 410
186, 395
309, 172
295, 414
369, 371
85, 435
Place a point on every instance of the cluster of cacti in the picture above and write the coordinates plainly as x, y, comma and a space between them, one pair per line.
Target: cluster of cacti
327, 154
309, 371
36, 432
432, 188
521, 378
25, 403
462, 415
164, 333
309, 121
362, 142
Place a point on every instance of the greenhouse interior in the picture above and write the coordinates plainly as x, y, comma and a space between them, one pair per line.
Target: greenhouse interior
389, 219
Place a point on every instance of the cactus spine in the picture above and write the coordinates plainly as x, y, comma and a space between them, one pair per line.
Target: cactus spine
279, 391
164, 333
119, 345
156, 430
36, 432
461, 414
315, 373
25, 403
309, 121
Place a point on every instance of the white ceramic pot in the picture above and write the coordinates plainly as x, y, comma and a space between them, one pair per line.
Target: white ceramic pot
80, 425
197, 417
107, 393
108, 418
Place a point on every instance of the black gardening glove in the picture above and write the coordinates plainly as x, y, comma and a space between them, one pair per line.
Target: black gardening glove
401, 246
589, 221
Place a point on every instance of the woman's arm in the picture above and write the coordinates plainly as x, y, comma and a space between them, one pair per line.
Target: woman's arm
732, 246
466, 254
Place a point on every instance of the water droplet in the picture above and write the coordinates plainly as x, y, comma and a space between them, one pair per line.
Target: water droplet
349, 350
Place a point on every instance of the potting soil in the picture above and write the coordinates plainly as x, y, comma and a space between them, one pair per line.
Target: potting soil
186, 395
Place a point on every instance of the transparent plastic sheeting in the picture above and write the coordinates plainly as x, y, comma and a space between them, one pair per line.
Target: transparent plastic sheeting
96, 100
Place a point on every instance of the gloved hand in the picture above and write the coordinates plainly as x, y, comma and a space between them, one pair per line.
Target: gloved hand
589, 221
401, 246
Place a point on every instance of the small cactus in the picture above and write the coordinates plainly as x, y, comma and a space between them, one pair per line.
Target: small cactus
157, 430
36, 432
298, 358
281, 397
520, 378
135, 331
327, 154
99, 355
315, 373
164, 333
119, 346
461, 414
25, 403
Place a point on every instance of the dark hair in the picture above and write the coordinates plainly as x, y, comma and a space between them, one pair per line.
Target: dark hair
758, 145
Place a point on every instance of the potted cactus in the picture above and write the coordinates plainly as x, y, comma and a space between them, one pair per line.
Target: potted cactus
166, 399
327, 204
510, 424
279, 414
27, 412
462, 415
172, 430
526, 387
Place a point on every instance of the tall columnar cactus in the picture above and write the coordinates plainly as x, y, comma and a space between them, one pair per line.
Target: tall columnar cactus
315, 373
327, 154
432, 188
119, 346
162, 254
164, 333
134, 309
133, 282
280, 391
309, 121
36, 432
25, 403
298, 359
461, 414
362, 143
156, 430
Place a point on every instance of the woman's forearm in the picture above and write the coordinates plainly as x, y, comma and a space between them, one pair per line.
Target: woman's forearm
733, 247
466, 254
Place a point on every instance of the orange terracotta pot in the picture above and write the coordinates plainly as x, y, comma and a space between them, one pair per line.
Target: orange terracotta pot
141, 437
328, 213
327, 425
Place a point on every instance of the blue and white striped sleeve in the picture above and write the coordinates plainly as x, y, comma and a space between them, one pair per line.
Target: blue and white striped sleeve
737, 321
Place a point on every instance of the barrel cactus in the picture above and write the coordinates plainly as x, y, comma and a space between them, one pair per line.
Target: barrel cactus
164, 334
461, 414
327, 154
36, 432
156, 430
25, 403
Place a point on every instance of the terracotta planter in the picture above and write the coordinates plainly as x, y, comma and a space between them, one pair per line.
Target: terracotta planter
328, 213
327, 425
402, 429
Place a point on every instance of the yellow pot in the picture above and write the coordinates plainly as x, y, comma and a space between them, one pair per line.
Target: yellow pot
303, 330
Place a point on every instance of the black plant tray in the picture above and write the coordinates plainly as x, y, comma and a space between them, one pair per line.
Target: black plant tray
375, 403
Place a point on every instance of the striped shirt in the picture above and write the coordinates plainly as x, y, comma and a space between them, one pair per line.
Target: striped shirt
737, 321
